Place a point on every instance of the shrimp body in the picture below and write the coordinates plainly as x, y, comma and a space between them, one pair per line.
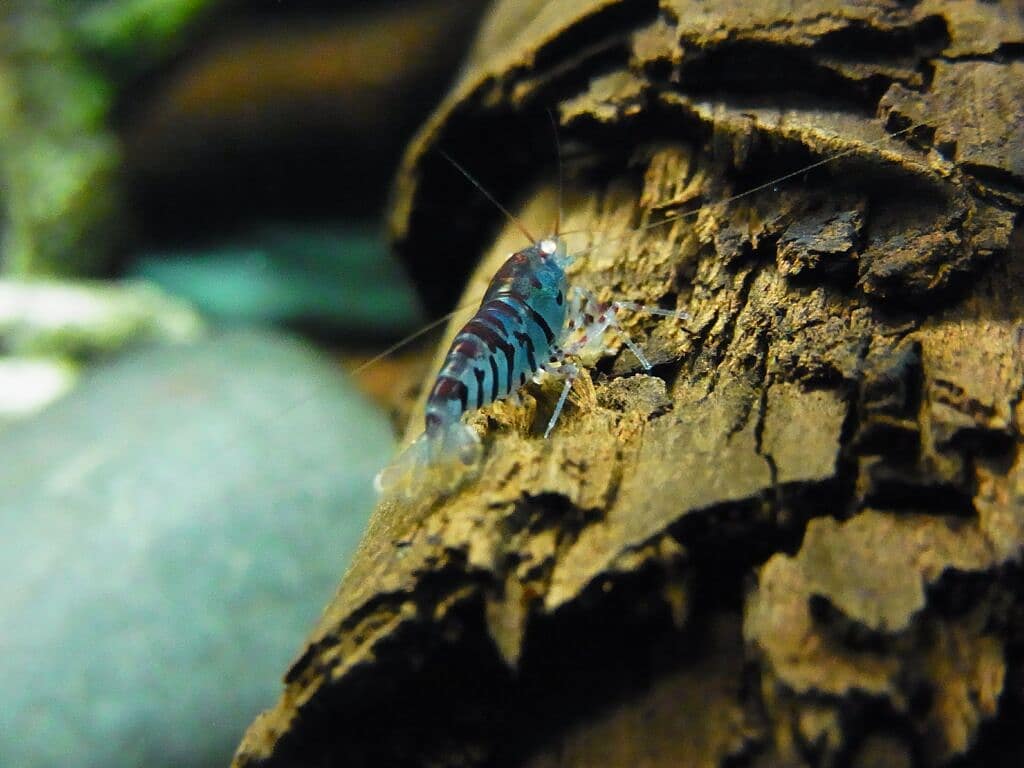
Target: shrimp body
520, 319
529, 321
508, 341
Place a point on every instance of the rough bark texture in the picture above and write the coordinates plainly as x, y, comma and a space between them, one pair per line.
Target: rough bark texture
795, 541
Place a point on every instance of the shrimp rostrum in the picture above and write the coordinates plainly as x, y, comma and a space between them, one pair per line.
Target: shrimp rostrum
530, 323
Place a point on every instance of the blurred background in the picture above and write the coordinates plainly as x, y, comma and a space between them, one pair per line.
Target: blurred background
192, 261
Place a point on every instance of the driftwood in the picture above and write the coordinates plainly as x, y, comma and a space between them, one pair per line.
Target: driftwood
795, 541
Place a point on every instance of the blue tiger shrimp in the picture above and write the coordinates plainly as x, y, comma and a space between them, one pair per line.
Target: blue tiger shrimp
531, 323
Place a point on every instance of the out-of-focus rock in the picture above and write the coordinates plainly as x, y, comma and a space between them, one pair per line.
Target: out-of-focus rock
168, 532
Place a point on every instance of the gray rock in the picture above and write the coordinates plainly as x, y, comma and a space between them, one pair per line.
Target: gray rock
168, 533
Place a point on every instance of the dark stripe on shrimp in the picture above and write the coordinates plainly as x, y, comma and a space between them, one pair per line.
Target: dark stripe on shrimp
532, 314
527, 344
494, 377
479, 373
500, 310
518, 304
448, 387
539, 320
466, 345
496, 339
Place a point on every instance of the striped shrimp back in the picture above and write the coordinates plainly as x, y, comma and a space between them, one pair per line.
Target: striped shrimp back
515, 329
513, 333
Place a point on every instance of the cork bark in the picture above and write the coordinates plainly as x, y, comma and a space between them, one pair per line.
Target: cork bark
796, 540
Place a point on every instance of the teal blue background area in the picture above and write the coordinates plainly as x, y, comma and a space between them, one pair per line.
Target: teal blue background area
339, 277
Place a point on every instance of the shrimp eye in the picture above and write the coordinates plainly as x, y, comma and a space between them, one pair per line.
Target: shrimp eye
548, 247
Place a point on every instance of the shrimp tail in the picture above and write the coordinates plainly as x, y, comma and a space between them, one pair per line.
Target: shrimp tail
438, 462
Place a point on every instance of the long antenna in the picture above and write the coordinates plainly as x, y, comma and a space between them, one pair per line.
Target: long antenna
410, 338
489, 196
558, 159
744, 193
684, 215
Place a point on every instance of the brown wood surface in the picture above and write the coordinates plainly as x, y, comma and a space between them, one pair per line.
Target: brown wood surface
796, 540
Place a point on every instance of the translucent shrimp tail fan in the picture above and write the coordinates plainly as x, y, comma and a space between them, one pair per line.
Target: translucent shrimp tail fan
439, 462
